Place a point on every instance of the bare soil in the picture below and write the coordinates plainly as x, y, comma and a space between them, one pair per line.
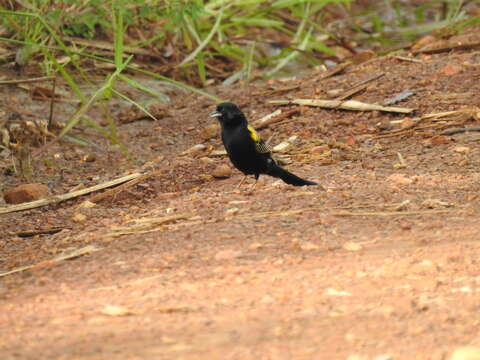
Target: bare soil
383, 263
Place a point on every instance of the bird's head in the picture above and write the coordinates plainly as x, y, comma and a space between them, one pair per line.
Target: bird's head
228, 114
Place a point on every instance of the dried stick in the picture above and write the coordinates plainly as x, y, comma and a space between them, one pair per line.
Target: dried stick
104, 45
26, 81
67, 196
76, 253
30, 233
110, 192
336, 70
368, 80
404, 58
352, 91
276, 119
394, 134
448, 47
268, 117
460, 130
276, 91
441, 116
392, 213
147, 225
345, 105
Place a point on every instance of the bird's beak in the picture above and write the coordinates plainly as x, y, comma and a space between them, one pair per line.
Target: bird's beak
215, 113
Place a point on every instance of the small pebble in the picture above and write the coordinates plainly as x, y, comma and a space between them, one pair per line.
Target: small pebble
222, 171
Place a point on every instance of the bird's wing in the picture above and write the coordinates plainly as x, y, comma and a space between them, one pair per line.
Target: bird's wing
260, 145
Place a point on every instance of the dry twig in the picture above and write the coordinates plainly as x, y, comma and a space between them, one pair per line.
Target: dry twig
76, 253
336, 70
359, 86
30, 233
27, 81
456, 117
392, 213
96, 198
352, 91
276, 119
435, 49
276, 91
67, 196
461, 130
404, 58
345, 105
147, 225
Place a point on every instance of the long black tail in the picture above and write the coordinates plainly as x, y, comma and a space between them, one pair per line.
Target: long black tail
288, 177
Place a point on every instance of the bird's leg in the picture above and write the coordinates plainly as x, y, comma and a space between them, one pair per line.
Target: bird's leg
255, 184
241, 182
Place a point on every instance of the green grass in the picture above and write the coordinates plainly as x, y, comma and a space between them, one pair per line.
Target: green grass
395, 22
194, 43
198, 34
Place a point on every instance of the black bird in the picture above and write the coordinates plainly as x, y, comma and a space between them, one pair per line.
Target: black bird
247, 151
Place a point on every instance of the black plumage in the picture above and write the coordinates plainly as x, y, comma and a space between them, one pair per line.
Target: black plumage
247, 151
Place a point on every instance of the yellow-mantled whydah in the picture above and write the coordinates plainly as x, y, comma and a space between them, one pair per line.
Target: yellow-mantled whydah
247, 151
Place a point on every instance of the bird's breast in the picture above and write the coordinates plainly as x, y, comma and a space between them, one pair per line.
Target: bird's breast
237, 140
241, 150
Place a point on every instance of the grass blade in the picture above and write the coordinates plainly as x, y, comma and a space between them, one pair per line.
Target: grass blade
138, 85
118, 27
134, 103
291, 56
100, 92
204, 42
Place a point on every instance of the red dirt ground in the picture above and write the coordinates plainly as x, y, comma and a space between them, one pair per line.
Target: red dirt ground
382, 264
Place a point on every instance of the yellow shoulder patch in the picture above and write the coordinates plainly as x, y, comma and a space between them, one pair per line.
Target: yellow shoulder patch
253, 134
260, 145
